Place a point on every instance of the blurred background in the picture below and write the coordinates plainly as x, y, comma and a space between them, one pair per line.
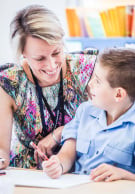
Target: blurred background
8, 8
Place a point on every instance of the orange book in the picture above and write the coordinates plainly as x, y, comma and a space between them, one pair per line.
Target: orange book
129, 18
121, 17
113, 17
106, 23
133, 23
73, 22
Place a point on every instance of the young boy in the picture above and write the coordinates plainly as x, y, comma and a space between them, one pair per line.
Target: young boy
101, 137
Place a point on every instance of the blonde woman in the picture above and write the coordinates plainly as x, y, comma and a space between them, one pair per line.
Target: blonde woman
42, 94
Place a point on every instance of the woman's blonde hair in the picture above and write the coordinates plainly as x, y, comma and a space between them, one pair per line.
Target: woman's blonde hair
36, 21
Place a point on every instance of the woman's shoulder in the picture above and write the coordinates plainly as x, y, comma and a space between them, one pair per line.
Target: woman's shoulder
82, 62
81, 65
12, 77
86, 53
11, 71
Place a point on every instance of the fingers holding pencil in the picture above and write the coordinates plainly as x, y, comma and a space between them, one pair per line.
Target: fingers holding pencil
52, 167
38, 152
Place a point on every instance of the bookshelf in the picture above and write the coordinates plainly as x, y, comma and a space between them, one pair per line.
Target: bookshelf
80, 43
117, 33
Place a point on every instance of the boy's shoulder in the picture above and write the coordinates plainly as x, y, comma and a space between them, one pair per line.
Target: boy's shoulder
90, 108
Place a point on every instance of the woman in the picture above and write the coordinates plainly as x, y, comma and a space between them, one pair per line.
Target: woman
43, 93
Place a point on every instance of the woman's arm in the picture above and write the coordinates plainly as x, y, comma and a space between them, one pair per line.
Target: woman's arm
63, 161
7, 105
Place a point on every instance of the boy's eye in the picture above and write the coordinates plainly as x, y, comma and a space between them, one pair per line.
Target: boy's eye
97, 81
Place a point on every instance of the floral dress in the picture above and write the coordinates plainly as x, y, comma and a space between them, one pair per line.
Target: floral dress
27, 119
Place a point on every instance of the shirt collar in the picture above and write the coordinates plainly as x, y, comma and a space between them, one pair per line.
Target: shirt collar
100, 115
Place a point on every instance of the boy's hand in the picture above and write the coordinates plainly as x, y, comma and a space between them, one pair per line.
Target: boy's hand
52, 167
107, 173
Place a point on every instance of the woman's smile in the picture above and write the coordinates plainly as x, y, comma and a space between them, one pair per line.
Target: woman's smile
51, 72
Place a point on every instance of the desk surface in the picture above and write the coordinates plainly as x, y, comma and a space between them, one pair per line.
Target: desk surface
116, 187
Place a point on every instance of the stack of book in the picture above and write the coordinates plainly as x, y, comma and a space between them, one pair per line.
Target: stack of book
117, 21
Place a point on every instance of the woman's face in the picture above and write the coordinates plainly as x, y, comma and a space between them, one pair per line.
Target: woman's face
45, 60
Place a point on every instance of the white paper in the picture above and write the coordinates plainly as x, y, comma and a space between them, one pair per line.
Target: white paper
6, 186
40, 179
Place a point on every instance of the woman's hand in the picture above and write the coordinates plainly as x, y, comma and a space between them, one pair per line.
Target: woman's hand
108, 173
48, 144
52, 167
4, 163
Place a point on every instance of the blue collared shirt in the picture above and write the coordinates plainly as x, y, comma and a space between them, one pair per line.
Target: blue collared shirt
97, 142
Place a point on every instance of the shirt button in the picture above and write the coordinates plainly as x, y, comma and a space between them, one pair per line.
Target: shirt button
97, 152
85, 171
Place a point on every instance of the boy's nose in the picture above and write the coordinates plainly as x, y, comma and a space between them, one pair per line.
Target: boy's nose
91, 82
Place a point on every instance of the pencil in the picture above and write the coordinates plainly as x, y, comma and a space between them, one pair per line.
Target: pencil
2, 172
35, 147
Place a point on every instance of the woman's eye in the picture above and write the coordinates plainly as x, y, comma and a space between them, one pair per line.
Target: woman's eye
40, 59
57, 53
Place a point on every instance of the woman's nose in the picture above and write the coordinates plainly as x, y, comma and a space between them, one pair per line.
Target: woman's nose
51, 63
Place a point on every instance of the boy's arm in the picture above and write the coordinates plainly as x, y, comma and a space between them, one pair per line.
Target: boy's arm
63, 161
107, 172
67, 154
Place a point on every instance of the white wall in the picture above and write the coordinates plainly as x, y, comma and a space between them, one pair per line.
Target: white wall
8, 8
106, 3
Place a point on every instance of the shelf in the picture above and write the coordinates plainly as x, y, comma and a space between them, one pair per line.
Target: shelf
80, 43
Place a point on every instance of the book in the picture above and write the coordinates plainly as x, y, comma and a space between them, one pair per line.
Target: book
129, 19
106, 23
88, 26
113, 17
73, 22
121, 17
83, 27
96, 25
133, 23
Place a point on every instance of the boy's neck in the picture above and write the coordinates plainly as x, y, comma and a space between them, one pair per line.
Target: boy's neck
116, 112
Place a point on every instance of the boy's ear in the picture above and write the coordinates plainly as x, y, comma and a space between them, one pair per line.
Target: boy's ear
120, 94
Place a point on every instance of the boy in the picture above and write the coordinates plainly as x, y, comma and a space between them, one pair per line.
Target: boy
101, 137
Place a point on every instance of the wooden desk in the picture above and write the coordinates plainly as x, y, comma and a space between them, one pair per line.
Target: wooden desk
116, 187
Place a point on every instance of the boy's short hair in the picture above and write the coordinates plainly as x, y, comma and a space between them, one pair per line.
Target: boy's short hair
121, 64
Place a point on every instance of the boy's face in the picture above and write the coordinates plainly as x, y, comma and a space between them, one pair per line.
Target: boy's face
101, 93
